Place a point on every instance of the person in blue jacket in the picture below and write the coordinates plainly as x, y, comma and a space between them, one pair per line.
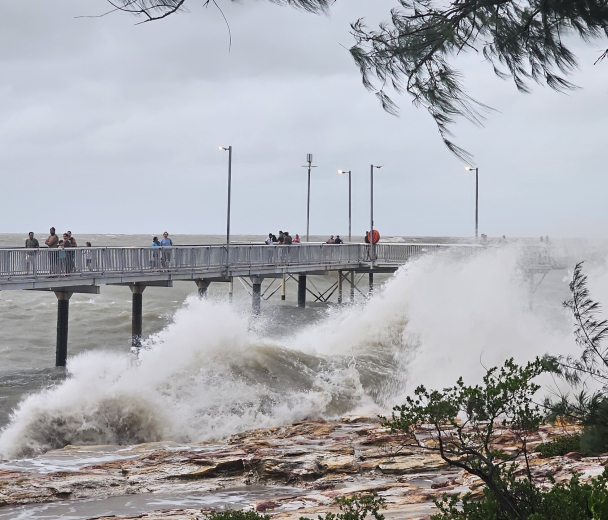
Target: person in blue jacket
166, 256
155, 253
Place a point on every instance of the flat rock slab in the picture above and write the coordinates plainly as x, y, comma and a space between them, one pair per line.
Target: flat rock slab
321, 459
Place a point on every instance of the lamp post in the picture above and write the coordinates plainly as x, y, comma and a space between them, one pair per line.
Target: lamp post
342, 172
470, 168
309, 166
371, 232
229, 149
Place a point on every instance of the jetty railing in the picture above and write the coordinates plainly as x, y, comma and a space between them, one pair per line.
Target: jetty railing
91, 261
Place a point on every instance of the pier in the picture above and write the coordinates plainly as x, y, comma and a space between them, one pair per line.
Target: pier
85, 270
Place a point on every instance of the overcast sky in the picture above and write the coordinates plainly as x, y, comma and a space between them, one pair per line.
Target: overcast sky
111, 127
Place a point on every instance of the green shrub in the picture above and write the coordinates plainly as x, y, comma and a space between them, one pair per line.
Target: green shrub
235, 514
356, 507
572, 500
560, 446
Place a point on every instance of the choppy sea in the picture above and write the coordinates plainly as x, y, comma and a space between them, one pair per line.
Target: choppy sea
208, 370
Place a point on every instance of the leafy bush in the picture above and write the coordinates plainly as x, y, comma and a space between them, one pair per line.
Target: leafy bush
567, 501
235, 514
356, 507
559, 446
466, 423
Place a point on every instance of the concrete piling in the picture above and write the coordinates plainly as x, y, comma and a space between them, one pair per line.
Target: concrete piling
136, 314
257, 294
63, 313
302, 291
202, 285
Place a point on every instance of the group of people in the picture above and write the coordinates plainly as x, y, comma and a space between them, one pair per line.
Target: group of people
164, 258
63, 262
332, 240
284, 239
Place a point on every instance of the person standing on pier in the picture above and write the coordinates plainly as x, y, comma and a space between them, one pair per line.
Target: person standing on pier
155, 252
287, 239
166, 242
72, 240
88, 256
52, 242
296, 240
30, 259
68, 256
338, 240
62, 258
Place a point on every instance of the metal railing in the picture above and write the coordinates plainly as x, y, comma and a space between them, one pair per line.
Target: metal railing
88, 262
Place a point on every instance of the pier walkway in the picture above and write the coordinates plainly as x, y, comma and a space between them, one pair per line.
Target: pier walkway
84, 270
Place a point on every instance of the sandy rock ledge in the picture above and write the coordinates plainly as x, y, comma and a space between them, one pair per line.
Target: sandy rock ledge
319, 459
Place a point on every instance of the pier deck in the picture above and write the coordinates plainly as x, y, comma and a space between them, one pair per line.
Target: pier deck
84, 270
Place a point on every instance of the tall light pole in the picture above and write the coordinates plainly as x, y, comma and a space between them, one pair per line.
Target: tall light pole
228, 216
371, 231
309, 166
342, 172
470, 168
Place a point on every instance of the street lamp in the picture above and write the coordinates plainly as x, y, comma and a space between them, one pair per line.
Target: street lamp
371, 232
229, 149
470, 168
309, 166
342, 172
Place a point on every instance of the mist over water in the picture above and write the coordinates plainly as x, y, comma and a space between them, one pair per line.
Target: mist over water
213, 370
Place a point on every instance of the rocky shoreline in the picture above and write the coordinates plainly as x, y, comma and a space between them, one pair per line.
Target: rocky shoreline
320, 460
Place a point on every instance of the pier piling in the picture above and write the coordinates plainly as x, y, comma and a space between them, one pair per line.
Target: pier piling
283, 288
352, 287
202, 285
63, 312
256, 282
137, 314
371, 283
339, 286
302, 291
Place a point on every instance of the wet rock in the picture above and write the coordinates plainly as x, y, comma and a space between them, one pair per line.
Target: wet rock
412, 464
573, 455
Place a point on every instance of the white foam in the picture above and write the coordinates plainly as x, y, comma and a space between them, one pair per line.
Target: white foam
210, 374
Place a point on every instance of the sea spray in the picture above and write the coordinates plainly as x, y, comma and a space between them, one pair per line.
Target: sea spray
204, 376
213, 372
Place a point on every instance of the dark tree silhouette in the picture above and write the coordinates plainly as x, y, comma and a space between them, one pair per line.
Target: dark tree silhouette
151, 10
525, 40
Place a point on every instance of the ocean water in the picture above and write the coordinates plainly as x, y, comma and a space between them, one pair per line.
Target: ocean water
208, 370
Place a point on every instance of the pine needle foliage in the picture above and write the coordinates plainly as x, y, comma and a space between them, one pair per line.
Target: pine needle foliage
524, 40
151, 10
589, 408
590, 332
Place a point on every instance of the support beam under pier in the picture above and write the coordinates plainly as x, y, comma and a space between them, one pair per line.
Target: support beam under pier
302, 291
371, 283
137, 314
63, 313
352, 287
339, 286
